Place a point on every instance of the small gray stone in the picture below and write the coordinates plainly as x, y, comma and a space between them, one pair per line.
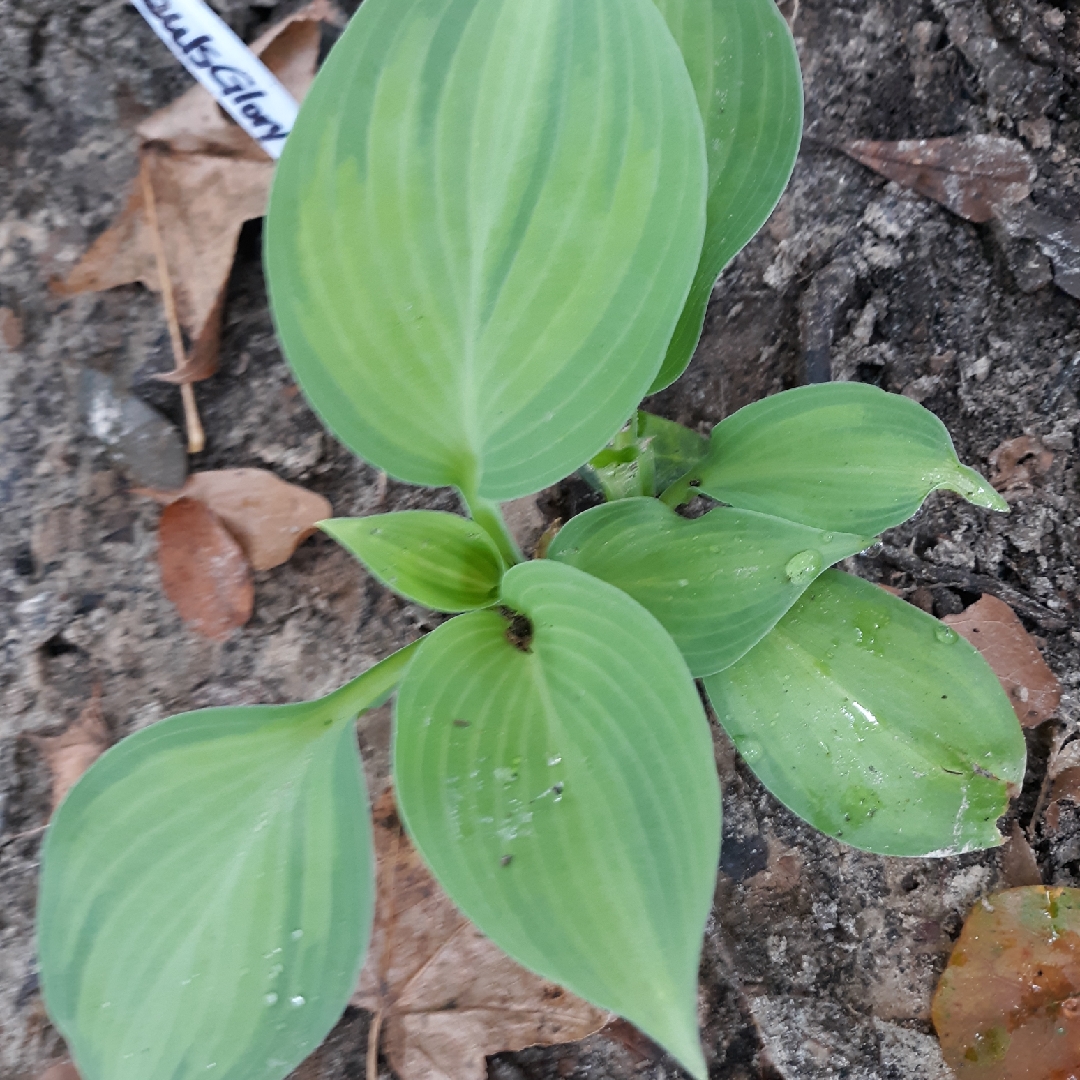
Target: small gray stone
141, 437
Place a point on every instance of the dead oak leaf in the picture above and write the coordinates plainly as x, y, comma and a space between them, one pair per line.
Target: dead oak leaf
446, 996
69, 754
207, 177
204, 571
1008, 1004
269, 517
996, 631
968, 174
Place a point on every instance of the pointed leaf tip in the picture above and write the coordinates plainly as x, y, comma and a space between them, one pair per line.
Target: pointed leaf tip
745, 70
875, 723
837, 456
555, 770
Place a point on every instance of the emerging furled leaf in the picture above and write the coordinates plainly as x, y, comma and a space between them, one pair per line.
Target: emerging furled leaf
843, 456
875, 723
718, 584
555, 770
745, 71
482, 230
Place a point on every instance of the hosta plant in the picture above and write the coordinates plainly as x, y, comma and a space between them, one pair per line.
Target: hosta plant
493, 230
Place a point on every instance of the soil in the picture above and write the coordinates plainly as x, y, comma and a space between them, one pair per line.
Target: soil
819, 961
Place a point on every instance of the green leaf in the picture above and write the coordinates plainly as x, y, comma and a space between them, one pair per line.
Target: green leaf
556, 772
745, 70
717, 584
207, 891
482, 231
841, 456
875, 723
644, 458
675, 449
442, 561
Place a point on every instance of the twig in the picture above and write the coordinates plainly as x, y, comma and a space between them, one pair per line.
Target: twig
373, 1046
196, 435
23, 835
977, 583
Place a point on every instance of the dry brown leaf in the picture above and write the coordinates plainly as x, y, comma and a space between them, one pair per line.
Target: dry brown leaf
967, 174
1008, 1004
208, 177
1016, 464
268, 516
64, 1070
994, 629
1019, 866
76, 748
204, 571
446, 995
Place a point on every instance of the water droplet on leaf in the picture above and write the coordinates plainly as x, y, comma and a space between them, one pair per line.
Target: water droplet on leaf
751, 750
804, 567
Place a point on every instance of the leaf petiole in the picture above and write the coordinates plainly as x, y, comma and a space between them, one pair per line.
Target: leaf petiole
488, 516
682, 491
368, 690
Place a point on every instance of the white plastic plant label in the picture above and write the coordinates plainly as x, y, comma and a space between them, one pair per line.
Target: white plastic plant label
241, 84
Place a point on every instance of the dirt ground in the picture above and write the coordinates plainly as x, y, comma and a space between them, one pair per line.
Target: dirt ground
819, 960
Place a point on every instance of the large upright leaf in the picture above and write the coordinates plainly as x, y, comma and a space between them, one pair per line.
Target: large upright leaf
745, 70
207, 891
837, 456
482, 231
442, 561
717, 584
555, 770
875, 723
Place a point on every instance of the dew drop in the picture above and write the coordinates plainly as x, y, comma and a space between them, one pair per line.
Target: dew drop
804, 567
270, 999
751, 750
555, 759
296, 1001
683, 582
946, 635
297, 935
